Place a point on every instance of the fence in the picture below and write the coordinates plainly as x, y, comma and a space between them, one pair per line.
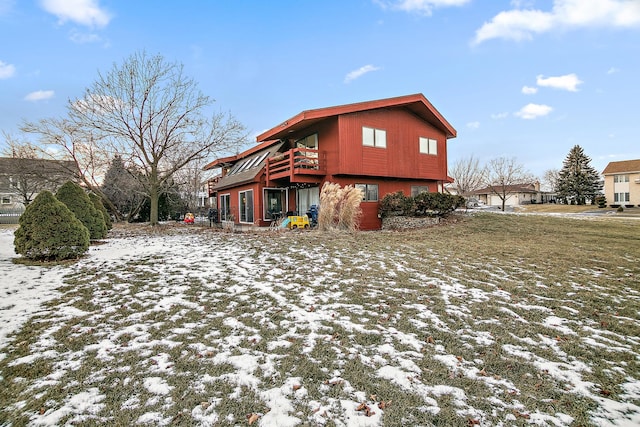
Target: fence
10, 216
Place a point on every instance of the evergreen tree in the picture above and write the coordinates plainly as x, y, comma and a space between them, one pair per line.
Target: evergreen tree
78, 202
50, 231
122, 188
97, 203
578, 181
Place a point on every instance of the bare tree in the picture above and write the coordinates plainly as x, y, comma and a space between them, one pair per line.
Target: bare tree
29, 173
504, 176
550, 179
147, 110
467, 174
62, 139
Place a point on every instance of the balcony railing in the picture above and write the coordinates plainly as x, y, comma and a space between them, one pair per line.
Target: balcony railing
297, 165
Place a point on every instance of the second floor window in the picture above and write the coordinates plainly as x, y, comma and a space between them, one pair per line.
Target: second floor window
428, 146
374, 137
621, 178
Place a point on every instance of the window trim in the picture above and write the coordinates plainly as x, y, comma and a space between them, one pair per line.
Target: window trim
245, 208
365, 192
428, 146
225, 208
378, 136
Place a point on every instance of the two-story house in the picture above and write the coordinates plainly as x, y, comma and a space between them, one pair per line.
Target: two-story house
381, 146
622, 183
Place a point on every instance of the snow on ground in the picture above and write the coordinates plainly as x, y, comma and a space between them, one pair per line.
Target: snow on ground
23, 288
267, 304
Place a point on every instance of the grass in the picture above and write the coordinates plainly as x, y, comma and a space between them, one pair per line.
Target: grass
489, 318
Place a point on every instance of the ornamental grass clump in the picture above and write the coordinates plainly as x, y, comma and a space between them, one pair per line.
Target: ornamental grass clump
339, 207
78, 202
49, 231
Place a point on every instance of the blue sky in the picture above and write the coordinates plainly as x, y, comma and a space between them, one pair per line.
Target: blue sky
526, 79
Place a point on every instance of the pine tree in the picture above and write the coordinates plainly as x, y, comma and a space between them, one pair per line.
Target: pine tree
122, 188
578, 181
50, 231
78, 202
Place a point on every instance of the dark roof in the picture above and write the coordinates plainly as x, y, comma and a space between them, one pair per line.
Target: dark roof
246, 167
9, 165
417, 104
515, 188
624, 166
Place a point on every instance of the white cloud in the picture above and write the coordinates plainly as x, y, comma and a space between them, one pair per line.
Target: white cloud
533, 111
6, 70
500, 116
424, 7
39, 95
523, 24
568, 82
612, 70
473, 125
83, 12
360, 72
528, 90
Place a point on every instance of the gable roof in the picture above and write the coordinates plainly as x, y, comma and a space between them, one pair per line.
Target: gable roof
416, 103
232, 159
247, 168
622, 167
515, 188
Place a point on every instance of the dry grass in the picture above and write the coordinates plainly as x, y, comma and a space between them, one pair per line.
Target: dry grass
476, 291
340, 207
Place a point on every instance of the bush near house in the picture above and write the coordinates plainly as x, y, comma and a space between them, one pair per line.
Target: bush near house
50, 231
78, 202
97, 203
423, 204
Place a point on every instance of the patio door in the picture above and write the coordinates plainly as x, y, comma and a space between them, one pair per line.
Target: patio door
305, 197
275, 202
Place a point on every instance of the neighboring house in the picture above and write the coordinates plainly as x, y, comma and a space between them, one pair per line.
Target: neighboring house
382, 146
22, 179
517, 194
622, 183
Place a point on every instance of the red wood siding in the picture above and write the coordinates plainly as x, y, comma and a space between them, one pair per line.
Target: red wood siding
369, 219
401, 158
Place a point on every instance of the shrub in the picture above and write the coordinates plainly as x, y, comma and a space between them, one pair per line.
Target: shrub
437, 204
78, 202
601, 201
396, 204
339, 207
620, 209
97, 203
50, 231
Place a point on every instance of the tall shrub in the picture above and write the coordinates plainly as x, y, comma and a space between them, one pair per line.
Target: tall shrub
50, 231
97, 203
339, 207
78, 202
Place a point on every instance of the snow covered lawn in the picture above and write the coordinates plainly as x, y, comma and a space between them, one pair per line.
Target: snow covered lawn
497, 320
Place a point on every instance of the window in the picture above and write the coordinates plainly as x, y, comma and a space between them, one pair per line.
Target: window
417, 189
246, 206
369, 191
6, 200
428, 146
621, 197
621, 178
374, 137
225, 208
